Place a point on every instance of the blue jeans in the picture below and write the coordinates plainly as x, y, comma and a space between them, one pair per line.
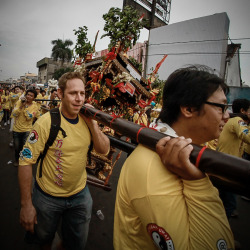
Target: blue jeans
19, 139
72, 213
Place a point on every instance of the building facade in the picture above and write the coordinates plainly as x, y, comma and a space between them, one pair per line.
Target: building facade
202, 41
47, 67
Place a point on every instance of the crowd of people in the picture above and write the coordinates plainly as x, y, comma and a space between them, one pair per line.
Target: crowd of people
19, 109
163, 200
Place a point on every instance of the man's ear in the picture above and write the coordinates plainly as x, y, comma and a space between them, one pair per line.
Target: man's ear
187, 111
242, 111
60, 93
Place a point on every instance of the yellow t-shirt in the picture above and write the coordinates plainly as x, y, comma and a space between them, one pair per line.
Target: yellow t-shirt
39, 96
154, 207
212, 144
247, 145
14, 98
1, 109
23, 118
233, 136
5, 101
64, 166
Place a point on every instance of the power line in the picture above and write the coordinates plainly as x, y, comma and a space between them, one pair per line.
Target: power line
193, 41
200, 41
197, 53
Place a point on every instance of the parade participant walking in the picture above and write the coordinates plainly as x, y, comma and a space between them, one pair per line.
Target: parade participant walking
60, 193
53, 97
236, 130
39, 96
15, 96
162, 199
6, 106
24, 113
1, 108
231, 141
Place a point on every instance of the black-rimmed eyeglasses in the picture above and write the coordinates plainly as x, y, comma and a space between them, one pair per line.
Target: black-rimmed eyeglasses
223, 107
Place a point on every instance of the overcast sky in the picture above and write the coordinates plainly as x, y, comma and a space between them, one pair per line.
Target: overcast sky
27, 27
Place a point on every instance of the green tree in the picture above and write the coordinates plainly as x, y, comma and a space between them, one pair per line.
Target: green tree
123, 26
61, 50
135, 63
83, 46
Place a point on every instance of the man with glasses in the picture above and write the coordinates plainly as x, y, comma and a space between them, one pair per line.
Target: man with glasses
163, 199
231, 141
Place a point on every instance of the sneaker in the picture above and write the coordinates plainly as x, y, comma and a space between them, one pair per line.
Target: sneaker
5, 124
245, 198
8, 122
11, 144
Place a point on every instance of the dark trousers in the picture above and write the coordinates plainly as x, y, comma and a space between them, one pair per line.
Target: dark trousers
19, 139
229, 202
6, 115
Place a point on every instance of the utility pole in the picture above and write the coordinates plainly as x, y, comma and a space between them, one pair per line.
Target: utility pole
152, 14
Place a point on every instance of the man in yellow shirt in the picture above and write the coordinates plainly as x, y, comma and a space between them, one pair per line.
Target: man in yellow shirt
231, 141
15, 96
236, 132
163, 201
1, 108
24, 113
6, 106
39, 96
60, 193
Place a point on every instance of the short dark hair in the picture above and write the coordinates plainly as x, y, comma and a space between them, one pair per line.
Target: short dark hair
43, 91
53, 90
188, 87
31, 91
239, 104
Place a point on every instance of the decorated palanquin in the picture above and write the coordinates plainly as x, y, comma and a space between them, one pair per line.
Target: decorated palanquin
115, 86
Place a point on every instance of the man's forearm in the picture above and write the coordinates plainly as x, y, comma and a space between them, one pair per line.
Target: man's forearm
25, 183
101, 141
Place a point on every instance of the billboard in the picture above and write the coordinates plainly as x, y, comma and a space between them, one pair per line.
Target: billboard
157, 11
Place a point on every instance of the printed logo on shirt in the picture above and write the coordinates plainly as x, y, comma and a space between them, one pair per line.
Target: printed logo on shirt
221, 245
160, 237
242, 123
26, 153
33, 137
245, 131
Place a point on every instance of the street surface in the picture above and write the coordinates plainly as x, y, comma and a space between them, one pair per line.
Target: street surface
101, 231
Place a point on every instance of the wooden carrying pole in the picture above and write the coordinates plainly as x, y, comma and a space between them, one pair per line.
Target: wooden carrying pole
226, 171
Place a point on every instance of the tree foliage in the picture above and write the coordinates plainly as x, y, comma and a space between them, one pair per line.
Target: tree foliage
135, 63
61, 50
123, 26
83, 46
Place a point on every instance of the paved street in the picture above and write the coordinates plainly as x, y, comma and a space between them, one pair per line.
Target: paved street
100, 235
